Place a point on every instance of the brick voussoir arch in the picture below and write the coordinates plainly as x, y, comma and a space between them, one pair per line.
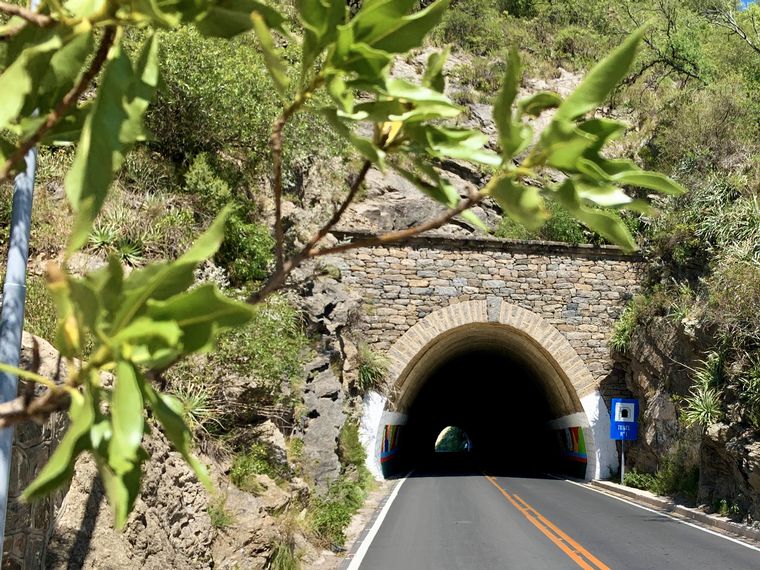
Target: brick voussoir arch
407, 349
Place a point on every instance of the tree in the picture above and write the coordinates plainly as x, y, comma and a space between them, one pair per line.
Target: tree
145, 322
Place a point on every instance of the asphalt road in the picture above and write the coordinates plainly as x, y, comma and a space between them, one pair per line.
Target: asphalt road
472, 522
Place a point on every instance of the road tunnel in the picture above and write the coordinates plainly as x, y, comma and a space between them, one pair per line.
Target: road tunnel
503, 389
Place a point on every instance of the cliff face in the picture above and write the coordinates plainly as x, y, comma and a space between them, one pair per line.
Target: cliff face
722, 460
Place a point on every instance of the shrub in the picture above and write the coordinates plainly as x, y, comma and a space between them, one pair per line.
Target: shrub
258, 460
472, 25
218, 100
734, 296
350, 450
373, 367
749, 384
638, 480
675, 478
331, 514
269, 350
484, 74
246, 251
703, 405
580, 45
622, 331
284, 556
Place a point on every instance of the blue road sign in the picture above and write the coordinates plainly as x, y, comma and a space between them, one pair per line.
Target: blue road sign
625, 415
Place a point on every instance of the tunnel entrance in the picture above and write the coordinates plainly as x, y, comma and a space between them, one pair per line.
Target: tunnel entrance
502, 407
503, 375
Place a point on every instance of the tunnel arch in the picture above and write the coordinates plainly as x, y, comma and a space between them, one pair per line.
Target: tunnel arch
574, 407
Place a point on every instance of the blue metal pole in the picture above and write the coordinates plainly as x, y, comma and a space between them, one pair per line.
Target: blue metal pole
12, 316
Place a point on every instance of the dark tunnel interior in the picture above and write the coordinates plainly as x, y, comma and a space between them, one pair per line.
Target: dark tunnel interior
500, 403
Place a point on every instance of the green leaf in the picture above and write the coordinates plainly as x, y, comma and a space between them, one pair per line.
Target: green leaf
68, 130
433, 76
168, 411
603, 130
320, 19
68, 334
23, 77
523, 204
600, 81
126, 418
108, 284
430, 183
228, 18
649, 180
148, 342
537, 103
201, 314
275, 65
470, 216
86, 301
606, 224
564, 145
513, 135
365, 146
367, 63
161, 281
385, 26
85, 8
65, 66
114, 123
60, 467
122, 489
442, 142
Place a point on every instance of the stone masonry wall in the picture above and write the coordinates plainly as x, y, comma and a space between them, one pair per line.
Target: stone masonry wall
580, 290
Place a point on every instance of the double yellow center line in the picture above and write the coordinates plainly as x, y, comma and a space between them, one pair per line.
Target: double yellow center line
565, 543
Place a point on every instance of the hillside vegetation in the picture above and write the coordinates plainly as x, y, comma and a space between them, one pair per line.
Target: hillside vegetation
693, 103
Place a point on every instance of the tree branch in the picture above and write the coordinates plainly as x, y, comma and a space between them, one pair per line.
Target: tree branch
30, 16
278, 278
275, 142
64, 104
400, 235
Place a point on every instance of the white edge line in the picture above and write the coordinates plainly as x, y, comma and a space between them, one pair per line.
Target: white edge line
664, 514
356, 561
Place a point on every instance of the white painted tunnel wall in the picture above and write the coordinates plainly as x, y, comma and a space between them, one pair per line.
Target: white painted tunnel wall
595, 421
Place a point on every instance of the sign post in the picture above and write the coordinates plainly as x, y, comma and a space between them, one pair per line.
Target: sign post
624, 426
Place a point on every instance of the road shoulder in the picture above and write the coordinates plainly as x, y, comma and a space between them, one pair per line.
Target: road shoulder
712, 522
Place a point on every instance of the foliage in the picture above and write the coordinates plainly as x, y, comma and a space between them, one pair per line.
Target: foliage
749, 385
331, 514
40, 309
284, 556
218, 101
148, 320
473, 25
217, 510
673, 478
638, 480
269, 350
622, 331
373, 367
703, 405
258, 460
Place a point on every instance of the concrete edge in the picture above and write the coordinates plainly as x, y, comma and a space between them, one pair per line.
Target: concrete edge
649, 499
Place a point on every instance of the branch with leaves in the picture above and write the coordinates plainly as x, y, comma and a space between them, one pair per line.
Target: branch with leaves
145, 322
